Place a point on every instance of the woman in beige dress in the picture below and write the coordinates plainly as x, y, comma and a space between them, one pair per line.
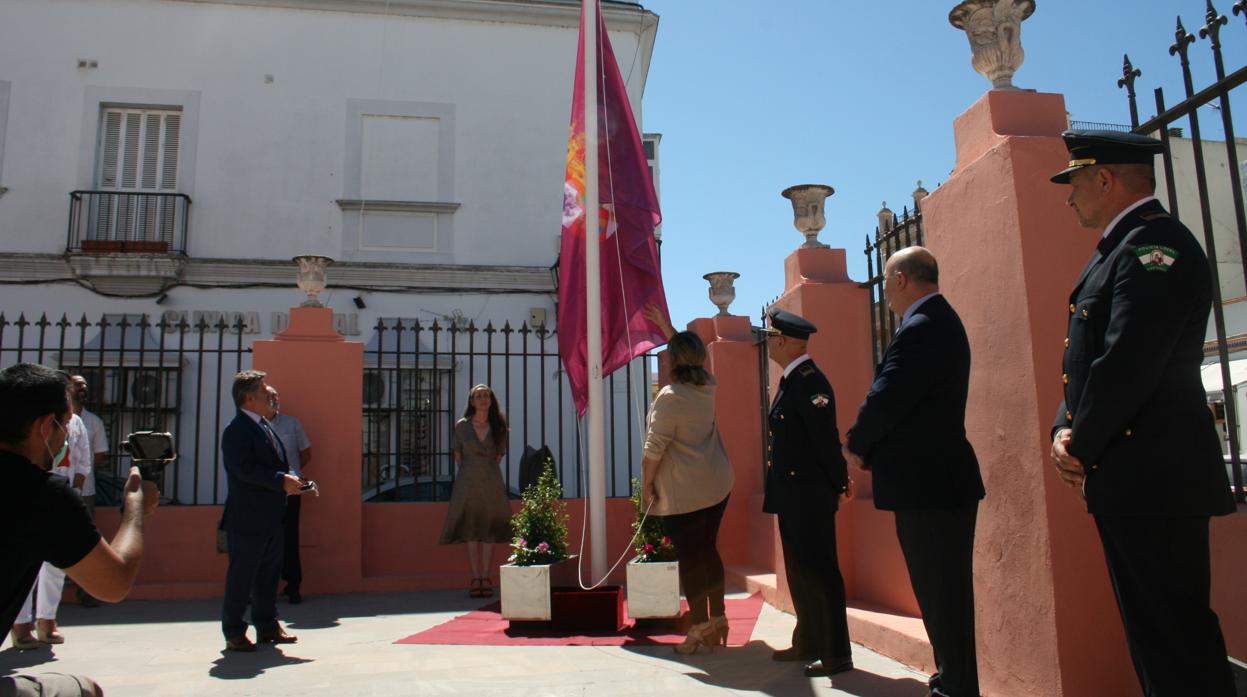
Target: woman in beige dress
687, 480
479, 514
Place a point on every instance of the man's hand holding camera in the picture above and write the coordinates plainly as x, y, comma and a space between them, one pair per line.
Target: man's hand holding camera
139, 493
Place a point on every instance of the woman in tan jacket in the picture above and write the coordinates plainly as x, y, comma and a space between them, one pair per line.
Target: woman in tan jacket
687, 479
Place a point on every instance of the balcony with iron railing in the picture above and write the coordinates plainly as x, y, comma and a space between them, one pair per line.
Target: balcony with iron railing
130, 243
102, 222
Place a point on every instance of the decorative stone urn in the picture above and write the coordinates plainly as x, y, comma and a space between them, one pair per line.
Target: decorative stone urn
525, 590
994, 28
311, 277
653, 589
807, 210
722, 293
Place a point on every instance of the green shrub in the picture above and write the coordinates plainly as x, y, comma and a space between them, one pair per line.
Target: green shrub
650, 543
540, 526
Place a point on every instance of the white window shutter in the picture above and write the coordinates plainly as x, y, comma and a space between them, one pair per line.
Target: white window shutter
169, 164
138, 153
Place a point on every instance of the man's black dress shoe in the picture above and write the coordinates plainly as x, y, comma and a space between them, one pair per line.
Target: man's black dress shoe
276, 636
788, 654
239, 643
820, 669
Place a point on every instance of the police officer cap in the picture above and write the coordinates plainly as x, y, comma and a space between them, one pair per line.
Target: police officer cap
1090, 148
788, 324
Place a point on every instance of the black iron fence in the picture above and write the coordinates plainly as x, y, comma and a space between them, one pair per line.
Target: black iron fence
174, 374
417, 376
1163, 125
893, 233
165, 375
128, 221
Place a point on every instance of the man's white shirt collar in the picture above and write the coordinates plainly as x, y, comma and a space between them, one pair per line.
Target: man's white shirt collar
1113, 223
909, 312
254, 416
796, 362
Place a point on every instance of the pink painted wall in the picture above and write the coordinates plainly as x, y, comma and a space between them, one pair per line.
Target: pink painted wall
1009, 251
400, 550
347, 546
818, 288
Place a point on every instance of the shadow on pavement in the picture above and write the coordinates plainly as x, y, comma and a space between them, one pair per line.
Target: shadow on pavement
244, 666
864, 684
749, 668
315, 612
12, 660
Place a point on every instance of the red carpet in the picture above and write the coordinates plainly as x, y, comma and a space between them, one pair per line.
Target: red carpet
485, 627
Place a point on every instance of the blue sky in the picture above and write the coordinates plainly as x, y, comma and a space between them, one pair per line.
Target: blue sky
752, 97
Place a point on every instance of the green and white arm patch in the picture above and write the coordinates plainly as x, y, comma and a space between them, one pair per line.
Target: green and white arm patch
1155, 257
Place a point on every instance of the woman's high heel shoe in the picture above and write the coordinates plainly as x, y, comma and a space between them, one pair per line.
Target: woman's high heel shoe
720, 630
699, 635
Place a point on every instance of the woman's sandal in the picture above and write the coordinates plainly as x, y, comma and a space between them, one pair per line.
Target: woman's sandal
487, 588
704, 635
474, 589
23, 643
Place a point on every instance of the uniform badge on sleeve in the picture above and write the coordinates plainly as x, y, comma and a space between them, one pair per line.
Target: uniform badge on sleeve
820, 400
1155, 257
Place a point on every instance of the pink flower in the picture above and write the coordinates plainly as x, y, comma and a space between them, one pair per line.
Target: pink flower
542, 547
521, 543
666, 541
649, 548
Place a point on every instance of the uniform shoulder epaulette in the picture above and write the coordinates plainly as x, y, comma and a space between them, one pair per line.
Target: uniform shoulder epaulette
1154, 215
807, 369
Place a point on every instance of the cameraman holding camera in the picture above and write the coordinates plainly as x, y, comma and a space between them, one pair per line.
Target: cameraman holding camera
44, 519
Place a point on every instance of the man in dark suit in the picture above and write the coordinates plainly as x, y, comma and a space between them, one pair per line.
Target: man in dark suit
910, 433
1134, 433
805, 478
259, 481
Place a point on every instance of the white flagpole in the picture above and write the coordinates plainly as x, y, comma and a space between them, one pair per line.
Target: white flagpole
593, 301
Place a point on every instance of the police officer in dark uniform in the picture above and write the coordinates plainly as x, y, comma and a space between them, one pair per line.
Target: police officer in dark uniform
805, 478
1134, 433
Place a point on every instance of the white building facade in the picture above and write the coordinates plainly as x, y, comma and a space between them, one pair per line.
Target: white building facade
168, 158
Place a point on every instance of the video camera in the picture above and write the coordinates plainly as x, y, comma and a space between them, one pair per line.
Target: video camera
151, 452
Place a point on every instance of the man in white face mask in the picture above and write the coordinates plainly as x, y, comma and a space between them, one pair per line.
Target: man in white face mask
38, 613
34, 411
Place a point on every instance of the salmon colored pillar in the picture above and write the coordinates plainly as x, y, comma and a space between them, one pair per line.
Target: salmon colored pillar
1009, 251
732, 355
817, 287
320, 377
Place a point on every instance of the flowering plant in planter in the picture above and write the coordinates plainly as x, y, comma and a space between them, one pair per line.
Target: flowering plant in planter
650, 543
540, 526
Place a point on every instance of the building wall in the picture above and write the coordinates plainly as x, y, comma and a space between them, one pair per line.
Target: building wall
1218, 176
272, 135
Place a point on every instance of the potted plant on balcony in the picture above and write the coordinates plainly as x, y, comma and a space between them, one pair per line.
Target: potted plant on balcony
654, 574
539, 559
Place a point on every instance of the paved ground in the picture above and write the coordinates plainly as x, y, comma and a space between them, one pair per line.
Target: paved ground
346, 648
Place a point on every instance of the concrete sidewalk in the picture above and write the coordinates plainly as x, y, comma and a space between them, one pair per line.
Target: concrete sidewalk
346, 648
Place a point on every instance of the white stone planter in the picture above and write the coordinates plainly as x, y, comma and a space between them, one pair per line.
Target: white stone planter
653, 589
526, 589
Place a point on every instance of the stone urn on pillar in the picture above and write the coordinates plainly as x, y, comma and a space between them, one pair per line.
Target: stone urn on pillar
311, 277
994, 28
807, 211
722, 292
